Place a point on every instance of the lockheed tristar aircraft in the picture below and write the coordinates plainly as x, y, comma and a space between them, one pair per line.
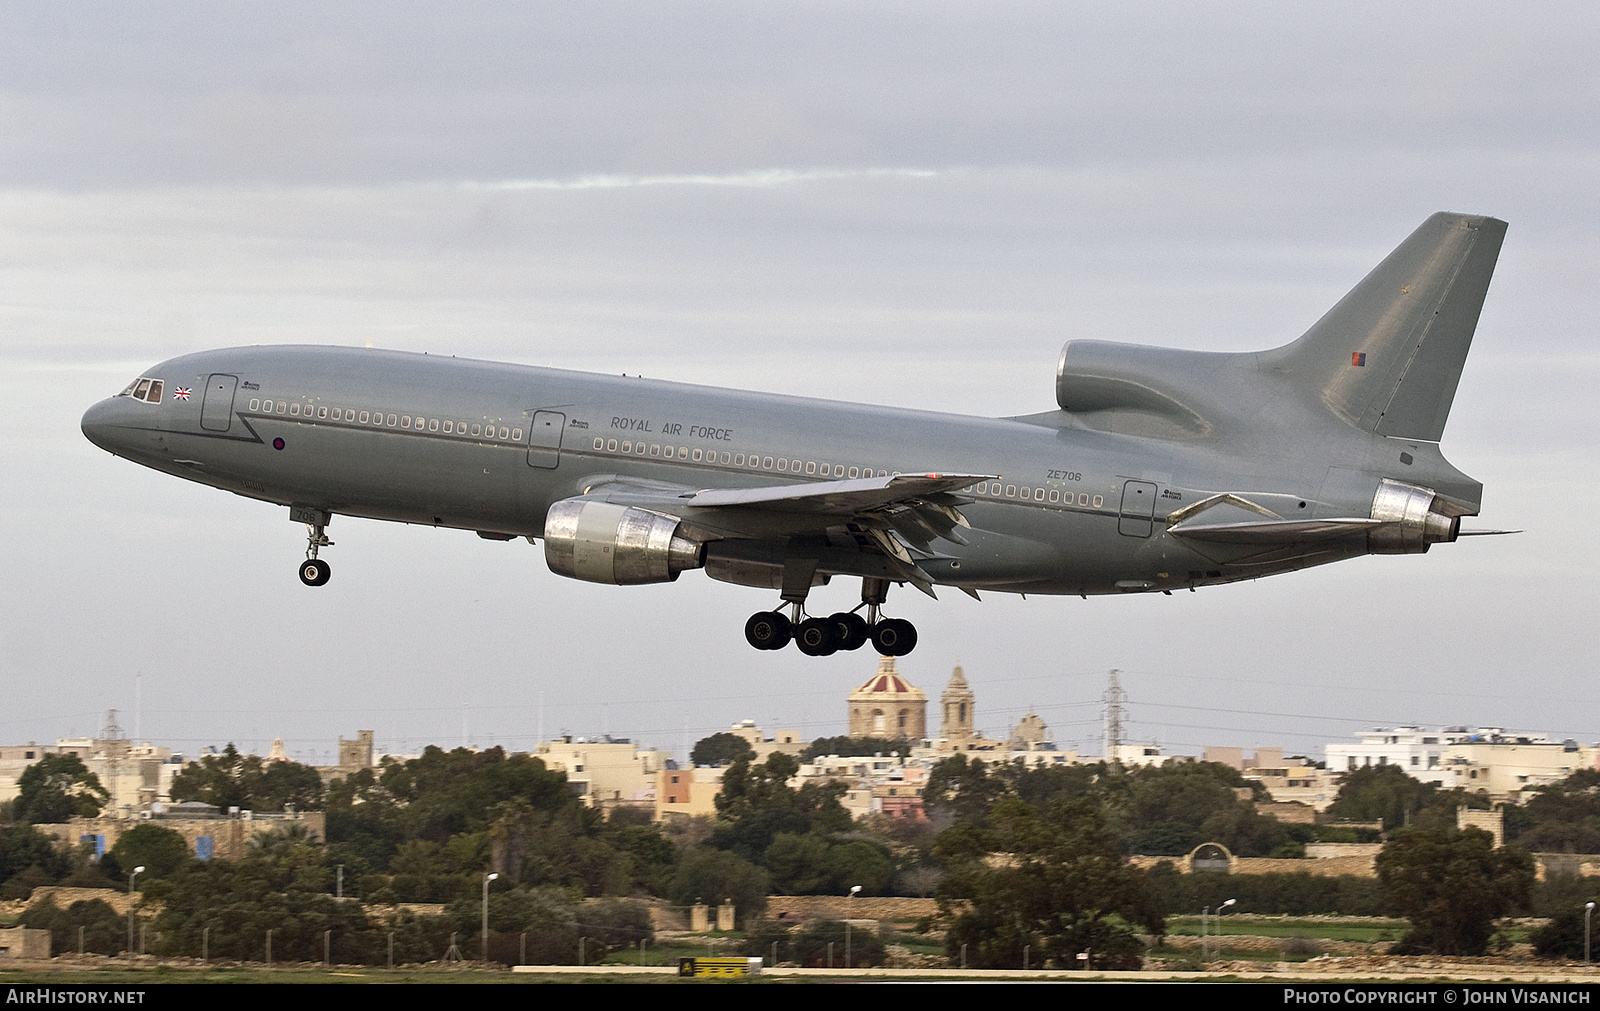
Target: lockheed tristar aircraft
1158, 470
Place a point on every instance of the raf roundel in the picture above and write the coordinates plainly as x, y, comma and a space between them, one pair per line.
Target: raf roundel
277, 443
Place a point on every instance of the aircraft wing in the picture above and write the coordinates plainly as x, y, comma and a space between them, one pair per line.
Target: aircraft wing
896, 518
840, 498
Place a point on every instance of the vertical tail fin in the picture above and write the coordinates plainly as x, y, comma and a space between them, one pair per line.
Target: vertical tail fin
1388, 356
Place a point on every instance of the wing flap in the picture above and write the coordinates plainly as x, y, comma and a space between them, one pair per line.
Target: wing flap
839, 498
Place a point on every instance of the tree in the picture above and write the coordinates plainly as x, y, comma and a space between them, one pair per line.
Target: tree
710, 875
1061, 887
720, 749
104, 931
810, 945
846, 746
24, 848
160, 851
249, 782
1452, 886
58, 788
1381, 793
1562, 937
1563, 817
757, 804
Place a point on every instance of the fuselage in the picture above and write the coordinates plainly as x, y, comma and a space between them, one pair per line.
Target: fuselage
491, 447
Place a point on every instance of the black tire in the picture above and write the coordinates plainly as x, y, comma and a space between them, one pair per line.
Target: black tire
315, 572
768, 630
853, 629
817, 637
894, 637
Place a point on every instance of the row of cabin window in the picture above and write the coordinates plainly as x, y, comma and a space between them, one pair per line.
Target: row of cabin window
1055, 495
448, 427
732, 459
996, 489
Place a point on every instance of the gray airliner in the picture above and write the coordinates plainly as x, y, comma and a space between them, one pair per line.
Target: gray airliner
1158, 470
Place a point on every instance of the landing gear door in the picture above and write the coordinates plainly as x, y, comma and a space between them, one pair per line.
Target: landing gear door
1138, 509
544, 439
216, 411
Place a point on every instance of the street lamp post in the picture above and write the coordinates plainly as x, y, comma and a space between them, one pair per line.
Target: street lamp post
1588, 914
1205, 919
486, 879
847, 904
136, 872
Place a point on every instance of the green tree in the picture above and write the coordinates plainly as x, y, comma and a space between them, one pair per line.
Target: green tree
104, 931
810, 945
1562, 937
1381, 793
1452, 886
849, 746
1563, 817
720, 749
58, 788
757, 804
248, 782
160, 851
27, 856
1063, 887
711, 875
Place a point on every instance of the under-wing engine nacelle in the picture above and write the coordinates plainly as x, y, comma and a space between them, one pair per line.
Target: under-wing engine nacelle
1413, 518
622, 545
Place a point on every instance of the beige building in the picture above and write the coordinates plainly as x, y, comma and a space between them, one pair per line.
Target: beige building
1505, 767
888, 705
136, 775
687, 793
785, 742
209, 833
1287, 780
607, 772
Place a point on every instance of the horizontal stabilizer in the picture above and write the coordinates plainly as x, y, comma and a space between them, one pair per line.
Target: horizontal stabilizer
1274, 531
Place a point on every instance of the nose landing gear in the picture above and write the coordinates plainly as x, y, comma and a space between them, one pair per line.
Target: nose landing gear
313, 571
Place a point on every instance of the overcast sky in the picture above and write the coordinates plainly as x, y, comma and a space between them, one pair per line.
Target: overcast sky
912, 204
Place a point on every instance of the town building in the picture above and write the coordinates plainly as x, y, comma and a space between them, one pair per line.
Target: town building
888, 705
1488, 760
682, 794
1418, 750
958, 714
1288, 781
135, 775
786, 742
607, 772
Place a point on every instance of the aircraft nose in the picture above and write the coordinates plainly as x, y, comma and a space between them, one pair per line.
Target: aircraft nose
106, 424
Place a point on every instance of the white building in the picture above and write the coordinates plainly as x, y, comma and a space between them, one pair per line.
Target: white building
1419, 751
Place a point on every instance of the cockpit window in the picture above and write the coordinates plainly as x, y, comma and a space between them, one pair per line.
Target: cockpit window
144, 388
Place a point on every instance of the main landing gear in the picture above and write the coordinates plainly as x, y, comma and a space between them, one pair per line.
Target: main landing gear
844, 630
313, 571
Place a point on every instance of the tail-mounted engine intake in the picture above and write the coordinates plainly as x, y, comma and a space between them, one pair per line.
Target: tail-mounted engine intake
604, 543
1413, 518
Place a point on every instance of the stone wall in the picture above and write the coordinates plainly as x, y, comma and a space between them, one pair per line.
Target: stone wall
836, 907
